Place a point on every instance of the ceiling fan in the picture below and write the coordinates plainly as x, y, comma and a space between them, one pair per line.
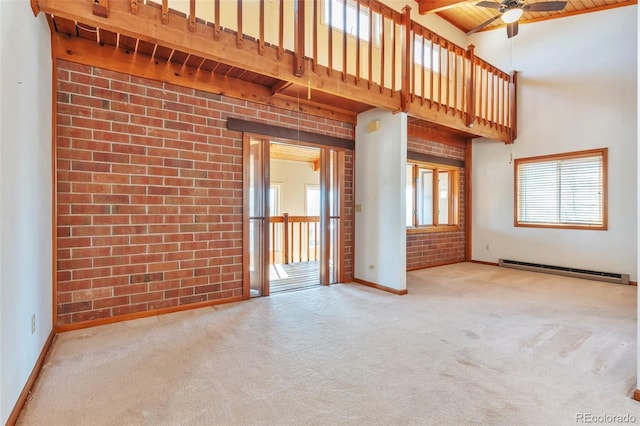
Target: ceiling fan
511, 11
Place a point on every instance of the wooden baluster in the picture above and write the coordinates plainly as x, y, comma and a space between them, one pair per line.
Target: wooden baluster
382, 55
486, 94
513, 105
431, 73
192, 15
357, 41
330, 39
273, 242
299, 241
134, 7
470, 89
281, 30
261, 34
412, 65
298, 67
406, 59
315, 239
239, 34
315, 35
291, 247
285, 238
439, 104
308, 241
344, 39
393, 54
455, 81
216, 20
447, 75
165, 12
423, 66
100, 8
503, 104
370, 46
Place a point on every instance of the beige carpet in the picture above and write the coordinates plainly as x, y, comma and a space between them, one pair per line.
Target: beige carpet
470, 344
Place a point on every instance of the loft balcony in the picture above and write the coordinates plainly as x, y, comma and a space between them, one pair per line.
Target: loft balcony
325, 57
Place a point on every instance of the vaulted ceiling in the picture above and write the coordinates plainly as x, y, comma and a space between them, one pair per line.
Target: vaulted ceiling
466, 15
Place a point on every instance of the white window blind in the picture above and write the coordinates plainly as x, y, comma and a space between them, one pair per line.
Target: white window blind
567, 190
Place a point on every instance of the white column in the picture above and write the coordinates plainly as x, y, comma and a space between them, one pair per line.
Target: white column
380, 199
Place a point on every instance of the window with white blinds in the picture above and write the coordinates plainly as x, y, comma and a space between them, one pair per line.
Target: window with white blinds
562, 191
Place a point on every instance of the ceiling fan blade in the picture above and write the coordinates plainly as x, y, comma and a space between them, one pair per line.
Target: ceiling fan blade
489, 4
512, 29
547, 6
484, 24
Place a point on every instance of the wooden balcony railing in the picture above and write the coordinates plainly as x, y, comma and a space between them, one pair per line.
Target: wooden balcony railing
360, 49
294, 238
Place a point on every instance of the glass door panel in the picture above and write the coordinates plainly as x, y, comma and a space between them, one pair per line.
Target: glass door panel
258, 209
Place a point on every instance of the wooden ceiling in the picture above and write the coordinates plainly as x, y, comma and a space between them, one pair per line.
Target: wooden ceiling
295, 153
466, 16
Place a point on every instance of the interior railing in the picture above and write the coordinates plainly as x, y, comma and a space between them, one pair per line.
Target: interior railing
294, 239
368, 43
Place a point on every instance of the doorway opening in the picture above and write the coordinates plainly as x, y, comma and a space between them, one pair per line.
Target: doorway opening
294, 207
293, 218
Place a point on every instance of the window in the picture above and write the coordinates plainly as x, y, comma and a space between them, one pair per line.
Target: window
562, 191
333, 12
432, 196
430, 49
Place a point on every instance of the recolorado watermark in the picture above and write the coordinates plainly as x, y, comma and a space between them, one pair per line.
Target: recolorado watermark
604, 418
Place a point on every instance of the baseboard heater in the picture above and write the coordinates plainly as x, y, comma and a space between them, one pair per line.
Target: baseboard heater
567, 272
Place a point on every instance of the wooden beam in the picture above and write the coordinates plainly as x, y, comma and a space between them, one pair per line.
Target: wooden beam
436, 135
280, 86
174, 35
90, 53
431, 6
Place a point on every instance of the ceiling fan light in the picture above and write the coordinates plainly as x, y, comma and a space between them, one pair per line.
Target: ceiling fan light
511, 16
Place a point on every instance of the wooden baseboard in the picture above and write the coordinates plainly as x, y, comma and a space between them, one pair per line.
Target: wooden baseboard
435, 265
26, 391
633, 283
381, 287
481, 262
636, 395
144, 314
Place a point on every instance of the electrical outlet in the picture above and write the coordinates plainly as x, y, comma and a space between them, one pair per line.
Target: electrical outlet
33, 323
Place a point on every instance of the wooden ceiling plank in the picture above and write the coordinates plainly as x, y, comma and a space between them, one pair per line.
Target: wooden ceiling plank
430, 6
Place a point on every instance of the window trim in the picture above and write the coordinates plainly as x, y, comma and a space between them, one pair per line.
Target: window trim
602, 152
454, 197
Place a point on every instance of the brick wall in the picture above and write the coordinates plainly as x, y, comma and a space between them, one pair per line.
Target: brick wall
150, 192
437, 248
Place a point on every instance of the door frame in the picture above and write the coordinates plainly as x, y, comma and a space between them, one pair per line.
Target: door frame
339, 175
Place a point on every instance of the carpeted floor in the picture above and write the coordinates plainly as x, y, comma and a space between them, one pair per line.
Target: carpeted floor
469, 344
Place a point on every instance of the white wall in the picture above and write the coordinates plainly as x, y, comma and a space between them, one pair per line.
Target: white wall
25, 195
293, 177
638, 217
576, 91
380, 173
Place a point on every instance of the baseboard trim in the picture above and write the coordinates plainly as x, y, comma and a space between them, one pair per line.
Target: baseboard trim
633, 283
144, 314
435, 265
381, 287
482, 262
636, 395
26, 391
